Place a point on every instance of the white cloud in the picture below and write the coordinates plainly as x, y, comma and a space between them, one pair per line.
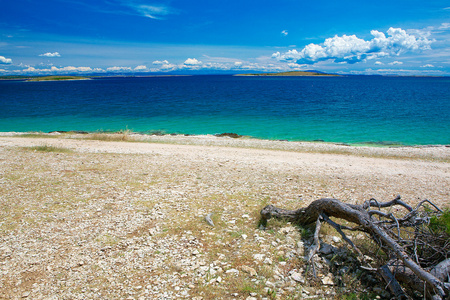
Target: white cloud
351, 49
48, 54
141, 68
118, 69
192, 62
395, 63
55, 70
157, 12
427, 66
30, 69
222, 64
445, 26
379, 63
4, 60
284, 33
73, 69
163, 66
128, 7
158, 62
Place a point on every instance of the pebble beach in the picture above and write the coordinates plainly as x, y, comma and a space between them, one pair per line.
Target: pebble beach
123, 216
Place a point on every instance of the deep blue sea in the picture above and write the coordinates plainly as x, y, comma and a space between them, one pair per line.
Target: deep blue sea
353, 109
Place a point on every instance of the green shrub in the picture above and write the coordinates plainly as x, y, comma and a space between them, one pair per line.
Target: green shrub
441, 224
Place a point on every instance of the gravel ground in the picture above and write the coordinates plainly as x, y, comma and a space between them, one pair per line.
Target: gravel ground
90, 219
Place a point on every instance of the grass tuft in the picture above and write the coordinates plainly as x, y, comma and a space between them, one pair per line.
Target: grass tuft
48, 148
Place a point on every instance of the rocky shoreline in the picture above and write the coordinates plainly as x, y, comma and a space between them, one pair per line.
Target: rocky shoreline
106, 219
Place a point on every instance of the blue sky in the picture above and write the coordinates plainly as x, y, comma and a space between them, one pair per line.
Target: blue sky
140, 36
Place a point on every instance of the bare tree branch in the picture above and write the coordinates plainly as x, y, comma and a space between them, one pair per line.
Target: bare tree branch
408, 264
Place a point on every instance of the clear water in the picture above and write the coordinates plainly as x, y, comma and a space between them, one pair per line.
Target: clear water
355, 109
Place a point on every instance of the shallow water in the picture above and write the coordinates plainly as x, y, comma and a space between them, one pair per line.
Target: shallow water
354, 109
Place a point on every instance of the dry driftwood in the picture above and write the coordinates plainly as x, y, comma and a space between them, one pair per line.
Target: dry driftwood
385, 229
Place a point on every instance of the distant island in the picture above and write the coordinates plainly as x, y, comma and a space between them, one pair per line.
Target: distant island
44, 78
57, 78
292, 73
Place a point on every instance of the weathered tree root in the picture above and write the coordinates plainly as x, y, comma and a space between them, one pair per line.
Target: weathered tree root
434, 281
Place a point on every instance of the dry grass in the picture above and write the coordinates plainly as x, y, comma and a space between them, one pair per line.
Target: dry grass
120, 136
47, 148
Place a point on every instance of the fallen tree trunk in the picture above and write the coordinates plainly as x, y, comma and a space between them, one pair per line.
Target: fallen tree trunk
385, 231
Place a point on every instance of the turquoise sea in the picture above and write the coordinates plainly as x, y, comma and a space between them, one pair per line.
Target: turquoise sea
347, 109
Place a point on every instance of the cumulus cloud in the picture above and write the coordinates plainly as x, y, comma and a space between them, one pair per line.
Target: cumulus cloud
427, 66
68, 69
74, 69
379, 63
192, 62
284, 33
48, 54
118, 69
4, 60
396, 63
351, 49
141, 68
158, 62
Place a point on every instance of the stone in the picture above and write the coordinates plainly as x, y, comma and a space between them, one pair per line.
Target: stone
249, 270
297, 277
286, 230
25, 294
335, 239
328, 280
232, 271
258, 257
269, 283
326, 249
267, 261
